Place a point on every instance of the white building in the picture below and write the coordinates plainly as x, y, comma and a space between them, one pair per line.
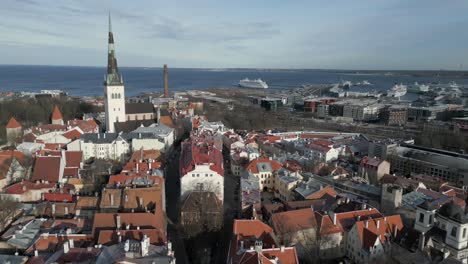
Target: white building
201, 168
285, 184
101, 146
264, 170
115, 146
321, 151
165, 133
444, 230
368, 240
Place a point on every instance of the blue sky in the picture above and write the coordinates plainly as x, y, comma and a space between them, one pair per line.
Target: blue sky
359, 34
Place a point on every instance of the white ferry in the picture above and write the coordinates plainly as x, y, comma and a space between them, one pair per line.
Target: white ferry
258, 83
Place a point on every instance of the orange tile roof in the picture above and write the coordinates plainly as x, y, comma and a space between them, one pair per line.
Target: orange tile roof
347, 219
72, 134
85, 202
13, 123
24, 186
325, 224
151, 198
108, 221
368, 235
57, 115
111, 198
327, 190
47, 169
292, 221
252, 166
250, 228
167, 120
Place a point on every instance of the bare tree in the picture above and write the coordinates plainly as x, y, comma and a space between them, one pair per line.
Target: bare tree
310, 245
8, 212
201, 211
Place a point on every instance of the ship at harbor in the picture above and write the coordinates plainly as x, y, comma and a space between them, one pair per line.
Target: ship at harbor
398, 90
255, 84
418, 88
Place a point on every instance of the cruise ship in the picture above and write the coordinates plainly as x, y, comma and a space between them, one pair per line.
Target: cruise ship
397, 90
258, 83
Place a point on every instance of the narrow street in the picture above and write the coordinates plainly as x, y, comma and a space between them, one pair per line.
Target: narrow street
231, 184
173, 203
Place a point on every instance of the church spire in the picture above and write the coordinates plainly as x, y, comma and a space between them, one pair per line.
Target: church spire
113, 77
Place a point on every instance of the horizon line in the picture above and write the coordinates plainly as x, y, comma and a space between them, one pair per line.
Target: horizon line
245, 68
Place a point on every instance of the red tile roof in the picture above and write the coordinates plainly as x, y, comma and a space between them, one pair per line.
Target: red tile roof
73, 158
151, 197
24, 186
87, 202
110, 237
325, 224
292, 165
57, 115
58, 197
72, 134
54, 242
288, 255
52, 146
129, 179
246, 233
370, 162
108, 221
200, 153
252, 166
47, 168
144, 166
312, 136
29, 137
71, 172
292, 221
87, 126
13, 123
6, 159
327, 190
251, 228
319, 147
152, 154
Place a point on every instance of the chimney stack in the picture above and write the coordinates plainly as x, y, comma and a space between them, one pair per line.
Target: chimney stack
166, 82
66, 248
117, 220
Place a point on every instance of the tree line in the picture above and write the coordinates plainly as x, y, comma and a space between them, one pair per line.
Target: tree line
34, 111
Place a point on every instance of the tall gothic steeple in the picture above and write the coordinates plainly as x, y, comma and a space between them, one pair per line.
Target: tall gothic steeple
113, 77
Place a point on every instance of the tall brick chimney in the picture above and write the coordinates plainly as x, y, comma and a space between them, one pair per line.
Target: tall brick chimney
166, 84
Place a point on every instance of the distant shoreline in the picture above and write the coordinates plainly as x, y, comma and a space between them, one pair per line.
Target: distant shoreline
419, 72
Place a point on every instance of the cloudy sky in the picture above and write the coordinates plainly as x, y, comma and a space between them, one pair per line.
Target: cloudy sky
338, 34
